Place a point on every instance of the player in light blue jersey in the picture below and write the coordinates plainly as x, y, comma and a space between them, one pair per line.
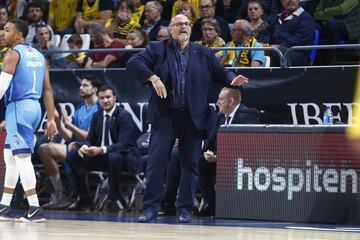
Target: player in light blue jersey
52, 154
23, 80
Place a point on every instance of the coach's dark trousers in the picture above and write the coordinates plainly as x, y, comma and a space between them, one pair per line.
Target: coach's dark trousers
207, 180
177, 123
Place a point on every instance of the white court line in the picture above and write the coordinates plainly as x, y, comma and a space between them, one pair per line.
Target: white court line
348, 228
327, 229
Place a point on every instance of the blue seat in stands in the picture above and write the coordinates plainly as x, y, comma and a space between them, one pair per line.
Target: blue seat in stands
315, 43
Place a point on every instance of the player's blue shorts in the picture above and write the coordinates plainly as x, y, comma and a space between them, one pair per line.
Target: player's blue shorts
21, 120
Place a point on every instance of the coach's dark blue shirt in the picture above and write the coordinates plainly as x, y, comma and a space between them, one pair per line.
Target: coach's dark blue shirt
178, 97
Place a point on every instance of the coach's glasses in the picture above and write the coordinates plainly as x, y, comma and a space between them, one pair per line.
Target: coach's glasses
181, 24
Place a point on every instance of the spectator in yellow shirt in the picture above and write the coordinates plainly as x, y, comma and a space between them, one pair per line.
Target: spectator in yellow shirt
120, 25
138, 11
89, 12
62, 15
242, 37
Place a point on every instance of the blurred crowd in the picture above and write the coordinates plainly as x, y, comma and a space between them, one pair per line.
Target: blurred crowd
116, 24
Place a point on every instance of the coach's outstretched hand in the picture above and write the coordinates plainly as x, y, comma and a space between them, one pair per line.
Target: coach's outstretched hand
158, 86
239, 80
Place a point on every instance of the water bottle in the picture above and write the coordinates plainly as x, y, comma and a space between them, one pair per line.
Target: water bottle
328, 116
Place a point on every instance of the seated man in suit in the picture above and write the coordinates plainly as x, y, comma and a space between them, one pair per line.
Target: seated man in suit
231, 111
110, 147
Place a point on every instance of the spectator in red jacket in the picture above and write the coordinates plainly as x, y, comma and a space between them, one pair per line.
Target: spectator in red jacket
101, 39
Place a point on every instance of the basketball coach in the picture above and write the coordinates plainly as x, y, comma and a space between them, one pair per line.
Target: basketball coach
180, 73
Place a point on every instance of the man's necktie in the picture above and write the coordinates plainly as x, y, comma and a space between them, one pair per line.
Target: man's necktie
283, 16
107, 130
227, 120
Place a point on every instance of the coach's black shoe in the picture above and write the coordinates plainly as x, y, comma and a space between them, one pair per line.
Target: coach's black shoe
184, 216
34, 215
4, 213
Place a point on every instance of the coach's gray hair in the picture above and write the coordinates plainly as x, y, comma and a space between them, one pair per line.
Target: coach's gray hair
173, 19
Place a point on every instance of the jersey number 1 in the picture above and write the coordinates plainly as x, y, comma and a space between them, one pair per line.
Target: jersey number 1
34, 83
